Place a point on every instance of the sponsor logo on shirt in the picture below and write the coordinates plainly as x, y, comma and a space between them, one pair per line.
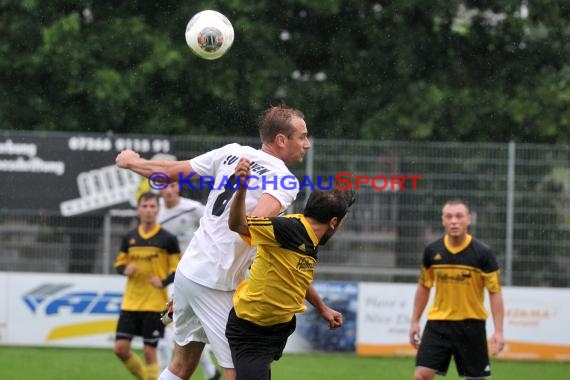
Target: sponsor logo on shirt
460, 277
305, 264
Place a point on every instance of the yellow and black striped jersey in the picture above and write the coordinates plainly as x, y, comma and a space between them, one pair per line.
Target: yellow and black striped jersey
460, 276
153, 253
282, 270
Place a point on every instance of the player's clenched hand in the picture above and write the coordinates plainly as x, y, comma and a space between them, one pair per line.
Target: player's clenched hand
333, 317
243, 169
337, 320
126, 157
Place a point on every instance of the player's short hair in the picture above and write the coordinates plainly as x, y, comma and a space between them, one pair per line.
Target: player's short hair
458, 201
275, 120
147, 195
323, 205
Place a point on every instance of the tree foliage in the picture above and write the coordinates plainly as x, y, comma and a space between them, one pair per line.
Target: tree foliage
385, 69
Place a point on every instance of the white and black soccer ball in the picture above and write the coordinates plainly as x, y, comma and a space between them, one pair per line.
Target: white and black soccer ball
209, 34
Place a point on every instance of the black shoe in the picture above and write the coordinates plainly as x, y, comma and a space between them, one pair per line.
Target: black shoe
216, 376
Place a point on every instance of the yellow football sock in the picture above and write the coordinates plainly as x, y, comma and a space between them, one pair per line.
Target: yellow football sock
135, 365
152, 371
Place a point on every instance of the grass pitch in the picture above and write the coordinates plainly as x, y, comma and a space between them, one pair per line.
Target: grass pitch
25, 363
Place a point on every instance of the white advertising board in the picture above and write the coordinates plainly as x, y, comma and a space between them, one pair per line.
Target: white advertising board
535, 325
4, 291
38, 309
59, 309
383, 316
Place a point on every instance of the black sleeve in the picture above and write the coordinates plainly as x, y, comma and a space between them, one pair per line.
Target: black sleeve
489, 261
125, 243
121, 269
168, 280
173, 246
426, 259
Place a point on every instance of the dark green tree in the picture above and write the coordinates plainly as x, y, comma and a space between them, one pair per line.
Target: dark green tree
402, 69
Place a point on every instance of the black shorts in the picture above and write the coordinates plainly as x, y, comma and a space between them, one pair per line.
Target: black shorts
465, 340
146, 324
254, 347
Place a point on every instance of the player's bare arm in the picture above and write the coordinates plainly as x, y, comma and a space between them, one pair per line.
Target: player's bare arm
268, 206
237, 221
420, 301
129, 159
333, 317
498, 312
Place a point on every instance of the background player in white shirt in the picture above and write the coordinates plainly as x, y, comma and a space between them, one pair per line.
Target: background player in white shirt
217, 259
181, 217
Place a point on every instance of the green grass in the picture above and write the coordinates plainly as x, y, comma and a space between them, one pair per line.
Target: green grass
24, 363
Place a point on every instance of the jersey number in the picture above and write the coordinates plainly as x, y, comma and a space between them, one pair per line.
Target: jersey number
223, 199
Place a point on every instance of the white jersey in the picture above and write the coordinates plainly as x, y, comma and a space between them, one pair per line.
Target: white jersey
181, 220
217, 257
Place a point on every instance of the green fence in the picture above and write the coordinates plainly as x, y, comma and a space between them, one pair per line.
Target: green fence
520, 197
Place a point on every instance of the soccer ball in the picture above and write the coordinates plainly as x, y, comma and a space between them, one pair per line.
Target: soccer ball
209, 34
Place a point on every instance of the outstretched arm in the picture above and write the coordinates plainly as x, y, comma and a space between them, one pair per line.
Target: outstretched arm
267, 206
129, 159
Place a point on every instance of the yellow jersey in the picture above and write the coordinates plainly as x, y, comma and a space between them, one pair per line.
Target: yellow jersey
282, 271
460, 275
154, 253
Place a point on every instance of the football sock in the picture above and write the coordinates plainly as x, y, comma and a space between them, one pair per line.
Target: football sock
152, 371
135, 365
165, 349
167, 375
207, 365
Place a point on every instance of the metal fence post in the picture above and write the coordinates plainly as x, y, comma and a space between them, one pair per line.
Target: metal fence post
510, 215
106, 243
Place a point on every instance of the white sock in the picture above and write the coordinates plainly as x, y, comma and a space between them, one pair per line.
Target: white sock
207, 364
165, 348
167, 375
